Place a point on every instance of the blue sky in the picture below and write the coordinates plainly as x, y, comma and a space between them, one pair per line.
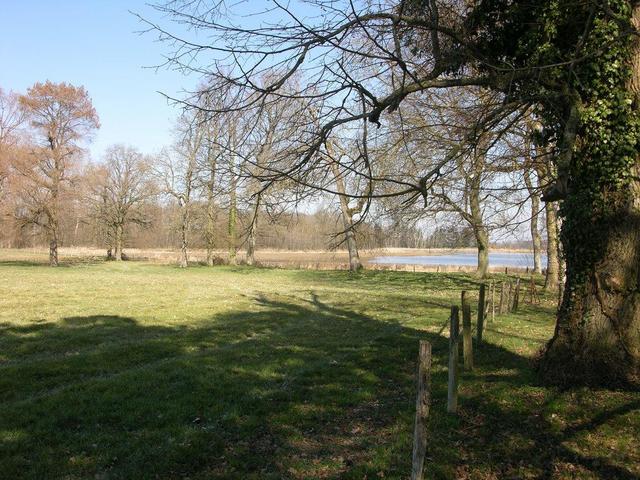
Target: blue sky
94, 44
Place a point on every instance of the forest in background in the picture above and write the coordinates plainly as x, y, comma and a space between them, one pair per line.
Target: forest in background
200, 192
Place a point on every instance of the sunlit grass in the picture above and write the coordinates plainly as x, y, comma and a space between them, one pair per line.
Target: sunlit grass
135, 371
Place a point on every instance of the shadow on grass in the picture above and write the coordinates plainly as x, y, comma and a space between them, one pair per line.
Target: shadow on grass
64, 263
286, 390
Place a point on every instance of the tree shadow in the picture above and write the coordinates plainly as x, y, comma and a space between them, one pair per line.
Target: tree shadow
288, 389
63, 263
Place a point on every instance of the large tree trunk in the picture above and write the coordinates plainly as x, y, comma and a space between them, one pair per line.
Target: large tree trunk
597, 336
475, 216
552, 277
482, 243
118, 243
536, 240
347, 220
352, 247
53, 251
479, 229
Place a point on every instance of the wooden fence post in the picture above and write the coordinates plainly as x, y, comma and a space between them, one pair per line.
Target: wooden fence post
452, 390
501, 307
493, 302
481, 312
422, 410
509, 298
467, 341
534, 292
516, 296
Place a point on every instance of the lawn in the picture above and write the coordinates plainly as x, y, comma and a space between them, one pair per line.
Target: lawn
139, 371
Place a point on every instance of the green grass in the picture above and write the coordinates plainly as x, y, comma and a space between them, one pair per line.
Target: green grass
136, 371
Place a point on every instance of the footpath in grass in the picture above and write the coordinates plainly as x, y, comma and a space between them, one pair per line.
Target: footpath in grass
138, 371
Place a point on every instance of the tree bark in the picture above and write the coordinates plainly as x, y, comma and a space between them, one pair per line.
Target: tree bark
233, 220
53, 232
53, 209
210, 232
253, 233
118, 243
482, 242
184, 228
347, 219
53, 252
475, 209
597, 335
552, 277
536, 240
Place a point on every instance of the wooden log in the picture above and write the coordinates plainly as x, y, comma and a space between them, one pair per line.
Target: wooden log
467, 340
452, 388
423, 400
480, 327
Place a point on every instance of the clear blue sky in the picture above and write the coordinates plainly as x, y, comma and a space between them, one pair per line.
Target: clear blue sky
93, 43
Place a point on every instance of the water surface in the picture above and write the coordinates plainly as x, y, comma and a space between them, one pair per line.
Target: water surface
496, 259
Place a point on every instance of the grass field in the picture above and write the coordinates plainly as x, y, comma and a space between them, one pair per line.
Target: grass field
141, 371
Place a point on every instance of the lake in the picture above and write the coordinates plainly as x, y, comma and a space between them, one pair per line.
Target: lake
496, 259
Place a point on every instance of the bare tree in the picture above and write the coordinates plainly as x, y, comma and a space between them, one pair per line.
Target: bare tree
121, 190
177, 172
11, 119
61, 116
545, 172
419, 48
347, 212
208, 175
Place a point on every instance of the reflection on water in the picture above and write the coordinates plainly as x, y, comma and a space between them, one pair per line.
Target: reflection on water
498, 259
